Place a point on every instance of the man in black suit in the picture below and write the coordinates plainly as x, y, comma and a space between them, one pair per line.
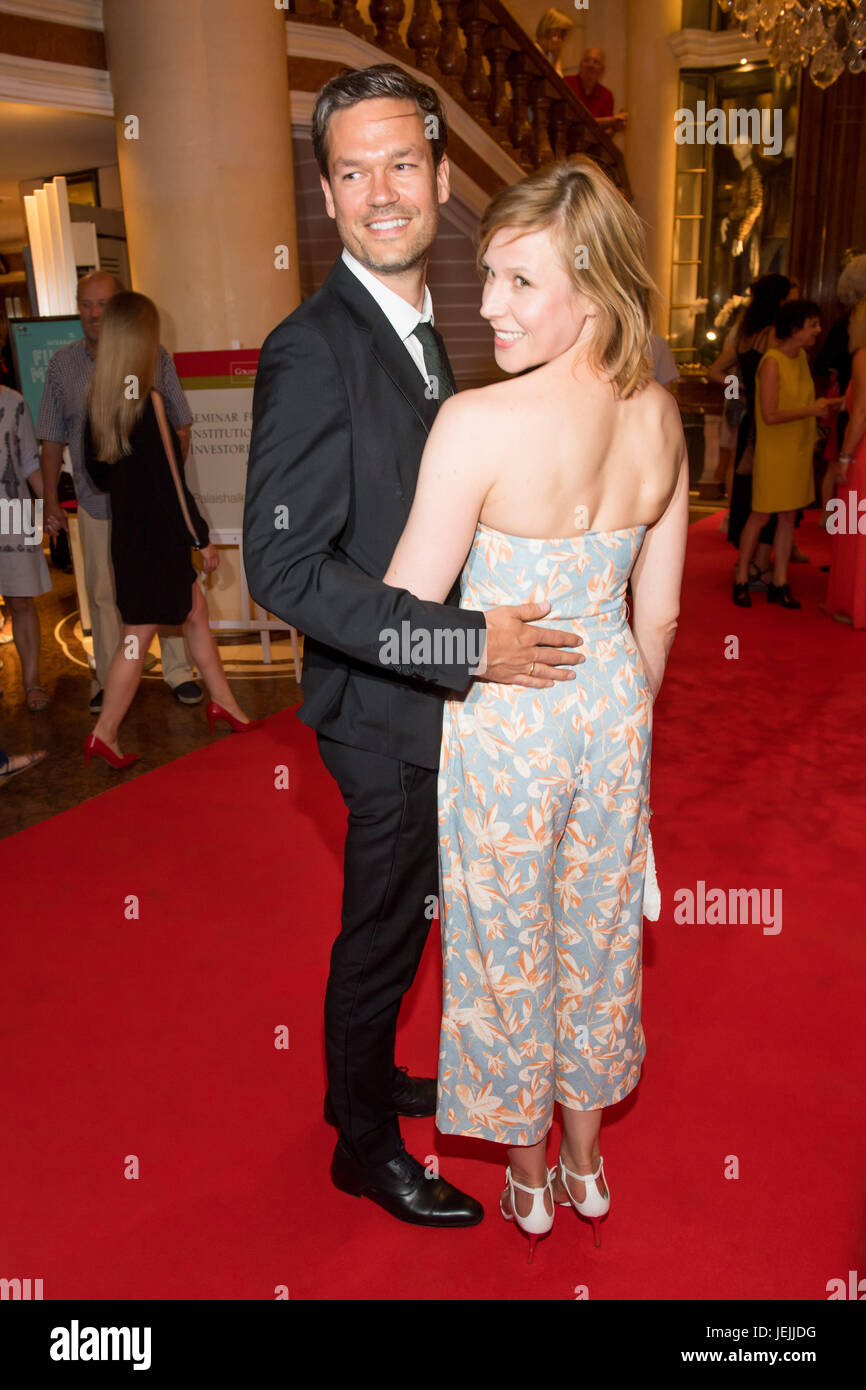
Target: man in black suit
347, 389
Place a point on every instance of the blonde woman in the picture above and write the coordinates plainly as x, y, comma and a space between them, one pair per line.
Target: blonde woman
132, 452
559, 485
551, 33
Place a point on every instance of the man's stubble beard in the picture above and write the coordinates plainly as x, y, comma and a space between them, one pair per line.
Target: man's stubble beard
393, 267
418, 254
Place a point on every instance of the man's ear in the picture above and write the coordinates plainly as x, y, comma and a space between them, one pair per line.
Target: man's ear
443, 179
329, 197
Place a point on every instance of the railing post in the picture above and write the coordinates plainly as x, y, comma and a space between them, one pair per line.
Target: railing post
345, 13
450, 59
559, 124
576, 138
520, 131
424, 36
476, 85
499, 106
387, 15
539, 104
312, 9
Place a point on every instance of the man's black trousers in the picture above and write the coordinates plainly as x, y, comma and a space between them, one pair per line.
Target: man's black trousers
390, 881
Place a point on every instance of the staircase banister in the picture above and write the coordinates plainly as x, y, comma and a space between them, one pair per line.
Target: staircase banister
539, 87
499, 15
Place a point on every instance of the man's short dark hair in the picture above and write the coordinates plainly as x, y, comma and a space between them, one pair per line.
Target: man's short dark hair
794, 315
365, 84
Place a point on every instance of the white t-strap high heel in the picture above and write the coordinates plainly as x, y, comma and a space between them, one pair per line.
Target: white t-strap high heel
593, 1206
538, 1221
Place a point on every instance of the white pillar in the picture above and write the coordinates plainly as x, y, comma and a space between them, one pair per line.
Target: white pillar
650, 150
208, 189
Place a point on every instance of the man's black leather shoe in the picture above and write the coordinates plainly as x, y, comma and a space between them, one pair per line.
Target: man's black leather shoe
402, 1188
414, 1097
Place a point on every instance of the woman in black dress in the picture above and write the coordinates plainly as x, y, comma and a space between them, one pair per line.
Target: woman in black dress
754, 336
129, 447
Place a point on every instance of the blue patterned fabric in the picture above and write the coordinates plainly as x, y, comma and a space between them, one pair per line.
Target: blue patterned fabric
543, 820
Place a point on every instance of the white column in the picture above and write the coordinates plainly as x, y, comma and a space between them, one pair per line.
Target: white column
208, 190
650, 150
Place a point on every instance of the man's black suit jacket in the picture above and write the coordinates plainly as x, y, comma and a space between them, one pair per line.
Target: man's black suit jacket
340, 419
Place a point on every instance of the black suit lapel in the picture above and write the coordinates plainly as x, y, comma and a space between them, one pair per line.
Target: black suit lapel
393, 356
387, 348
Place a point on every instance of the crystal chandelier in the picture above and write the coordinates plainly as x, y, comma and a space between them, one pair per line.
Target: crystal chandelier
827, 36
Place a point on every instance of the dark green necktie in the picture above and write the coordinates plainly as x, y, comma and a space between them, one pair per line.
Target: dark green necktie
442, 383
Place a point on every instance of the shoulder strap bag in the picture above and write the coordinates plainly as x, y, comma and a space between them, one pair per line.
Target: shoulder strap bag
162, 421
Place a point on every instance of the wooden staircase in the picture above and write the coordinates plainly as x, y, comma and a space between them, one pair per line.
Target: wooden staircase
478, 54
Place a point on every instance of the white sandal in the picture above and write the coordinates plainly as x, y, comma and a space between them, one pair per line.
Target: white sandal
538, 1221
593, 1206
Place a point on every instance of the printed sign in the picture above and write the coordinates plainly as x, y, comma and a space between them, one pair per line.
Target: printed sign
219, 388
34, 343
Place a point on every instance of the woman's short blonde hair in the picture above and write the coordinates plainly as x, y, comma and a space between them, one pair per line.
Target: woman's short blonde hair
123, 376
551, 21
602, 246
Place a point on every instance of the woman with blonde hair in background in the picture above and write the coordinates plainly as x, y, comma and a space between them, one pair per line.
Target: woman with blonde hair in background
557, 486
551, 33
132, 452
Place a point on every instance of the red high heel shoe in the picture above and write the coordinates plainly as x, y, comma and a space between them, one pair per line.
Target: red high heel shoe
215, 713
92, 745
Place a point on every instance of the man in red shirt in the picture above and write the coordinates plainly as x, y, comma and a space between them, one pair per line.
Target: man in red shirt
598, 100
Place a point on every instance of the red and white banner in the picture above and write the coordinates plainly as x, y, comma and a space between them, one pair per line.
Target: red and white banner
219, 388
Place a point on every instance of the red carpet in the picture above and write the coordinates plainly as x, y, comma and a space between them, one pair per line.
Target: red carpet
155, 1037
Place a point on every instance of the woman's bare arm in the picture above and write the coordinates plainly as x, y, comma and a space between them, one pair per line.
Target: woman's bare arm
452, 486
768, 385
856, 427
657, 578
35, 483
453, 482
724, 365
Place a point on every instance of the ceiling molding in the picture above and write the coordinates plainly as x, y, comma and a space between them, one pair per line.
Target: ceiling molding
81, 14
55, 84
330, 43
698, 48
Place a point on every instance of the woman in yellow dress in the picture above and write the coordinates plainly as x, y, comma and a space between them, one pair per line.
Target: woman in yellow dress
785, 417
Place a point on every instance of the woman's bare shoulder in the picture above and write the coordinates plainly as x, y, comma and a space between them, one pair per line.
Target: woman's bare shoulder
655, 407
478, 410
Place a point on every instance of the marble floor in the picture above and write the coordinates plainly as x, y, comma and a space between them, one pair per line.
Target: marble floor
157, 727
